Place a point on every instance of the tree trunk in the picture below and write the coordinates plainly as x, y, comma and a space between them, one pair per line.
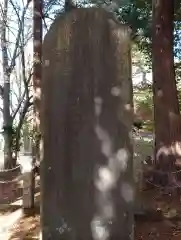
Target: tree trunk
37, 53
166, 105
6, 93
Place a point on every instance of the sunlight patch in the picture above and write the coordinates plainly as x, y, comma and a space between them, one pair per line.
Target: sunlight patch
98, 105
122, 156
106, 179
99, 231
101, 134
47, 62
37, 93
115, 91
108, 210
106, 145
106, 148
177, 148
159, 93
127, 192
128, 107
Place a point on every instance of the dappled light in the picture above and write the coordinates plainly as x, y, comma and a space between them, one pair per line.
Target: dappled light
116, 161
159, 93
127, 192
9, 222
128, 107
37, 119
176, 148
164, 150
116, 91
106, 144
98, 105
105, 180
100, 230
122, 156
46, 63
37, 94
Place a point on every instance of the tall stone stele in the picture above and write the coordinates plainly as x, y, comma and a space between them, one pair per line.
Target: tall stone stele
86, 120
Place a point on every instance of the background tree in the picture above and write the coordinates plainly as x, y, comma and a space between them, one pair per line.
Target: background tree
166, 105
17, 69
15, 35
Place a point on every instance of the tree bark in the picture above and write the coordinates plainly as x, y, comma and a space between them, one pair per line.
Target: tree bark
6, 92
37, 55
37, 51
166, 105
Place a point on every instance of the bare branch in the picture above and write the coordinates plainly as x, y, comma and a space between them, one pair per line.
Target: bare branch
24, 96
26, 82
19, 34
19, 105
45, 24
26, 105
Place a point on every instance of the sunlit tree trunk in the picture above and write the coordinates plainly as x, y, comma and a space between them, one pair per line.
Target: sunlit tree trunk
166, 106
37, 53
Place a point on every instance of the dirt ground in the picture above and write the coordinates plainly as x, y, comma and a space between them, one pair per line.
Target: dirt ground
27, 228
162, 224
149, 227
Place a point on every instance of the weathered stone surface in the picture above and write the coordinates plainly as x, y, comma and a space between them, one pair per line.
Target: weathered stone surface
86, 120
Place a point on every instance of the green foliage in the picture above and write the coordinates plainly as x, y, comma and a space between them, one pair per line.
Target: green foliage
139, 59
136, 13
177, 39
148, 126
144, 103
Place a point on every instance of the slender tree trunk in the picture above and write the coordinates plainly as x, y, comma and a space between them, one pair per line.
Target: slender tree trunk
6, 92
37, 51
166, 105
